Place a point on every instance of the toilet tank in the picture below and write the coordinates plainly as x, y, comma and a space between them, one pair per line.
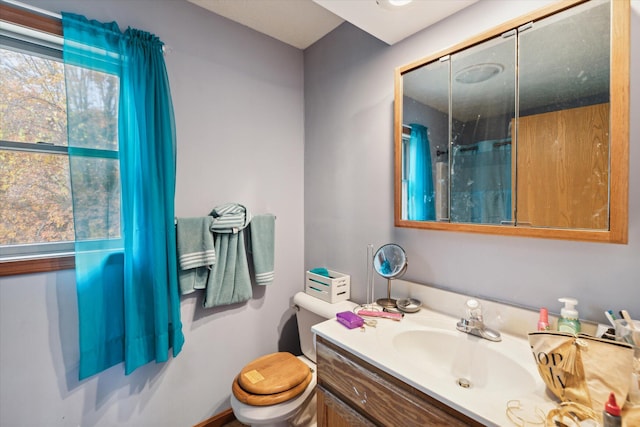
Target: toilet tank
311, 311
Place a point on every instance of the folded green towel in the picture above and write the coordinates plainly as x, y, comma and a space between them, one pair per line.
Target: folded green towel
320, 271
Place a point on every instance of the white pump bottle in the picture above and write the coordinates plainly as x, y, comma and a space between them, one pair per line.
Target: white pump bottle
568, 321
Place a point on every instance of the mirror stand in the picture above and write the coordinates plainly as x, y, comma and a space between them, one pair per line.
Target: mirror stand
387, 302
390, 262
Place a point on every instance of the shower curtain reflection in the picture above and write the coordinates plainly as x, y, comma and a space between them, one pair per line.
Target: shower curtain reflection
420, 206
481, 182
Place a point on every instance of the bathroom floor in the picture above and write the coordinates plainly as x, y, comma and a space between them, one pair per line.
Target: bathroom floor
235, 423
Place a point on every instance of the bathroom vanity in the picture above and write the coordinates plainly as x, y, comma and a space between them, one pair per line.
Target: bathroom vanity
349, 387
422, 371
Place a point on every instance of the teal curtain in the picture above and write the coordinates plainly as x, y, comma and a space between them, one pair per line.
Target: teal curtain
420, 194
122, 156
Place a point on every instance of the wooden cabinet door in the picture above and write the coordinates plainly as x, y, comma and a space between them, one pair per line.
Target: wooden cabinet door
332, 412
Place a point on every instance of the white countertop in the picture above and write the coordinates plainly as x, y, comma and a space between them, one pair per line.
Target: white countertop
486, 405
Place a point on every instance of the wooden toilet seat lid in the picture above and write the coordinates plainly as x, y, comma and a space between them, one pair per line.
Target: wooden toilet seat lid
273, 373
269, 399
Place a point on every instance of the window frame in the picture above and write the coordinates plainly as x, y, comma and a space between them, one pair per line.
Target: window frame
44, 262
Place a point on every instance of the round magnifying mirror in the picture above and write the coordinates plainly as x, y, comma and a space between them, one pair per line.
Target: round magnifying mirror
390, 262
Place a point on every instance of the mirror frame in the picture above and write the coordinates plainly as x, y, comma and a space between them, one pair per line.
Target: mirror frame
403, 268
618, 134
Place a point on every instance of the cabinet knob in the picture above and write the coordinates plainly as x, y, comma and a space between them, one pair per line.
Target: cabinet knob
363, 398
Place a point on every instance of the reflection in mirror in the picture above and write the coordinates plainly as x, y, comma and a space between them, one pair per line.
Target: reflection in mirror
483, 103
425, 141
523, 129
563, 129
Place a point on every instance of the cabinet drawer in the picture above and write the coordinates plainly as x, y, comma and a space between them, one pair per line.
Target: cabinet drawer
332, 412
377, 395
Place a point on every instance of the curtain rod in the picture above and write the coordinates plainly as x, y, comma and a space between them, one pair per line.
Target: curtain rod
165, 49
33, 8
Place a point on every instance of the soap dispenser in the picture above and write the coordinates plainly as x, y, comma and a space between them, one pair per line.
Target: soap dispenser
568, 321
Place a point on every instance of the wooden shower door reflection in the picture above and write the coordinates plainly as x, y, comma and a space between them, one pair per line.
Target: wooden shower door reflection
562, 169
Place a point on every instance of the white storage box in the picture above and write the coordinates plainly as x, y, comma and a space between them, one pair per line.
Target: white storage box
330, 289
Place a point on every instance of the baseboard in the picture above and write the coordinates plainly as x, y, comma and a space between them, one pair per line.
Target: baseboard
218, 420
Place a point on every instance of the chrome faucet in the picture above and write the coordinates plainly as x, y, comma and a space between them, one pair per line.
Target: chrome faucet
474, 325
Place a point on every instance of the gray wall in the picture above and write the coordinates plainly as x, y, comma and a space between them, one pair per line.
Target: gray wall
238, 98
349, 184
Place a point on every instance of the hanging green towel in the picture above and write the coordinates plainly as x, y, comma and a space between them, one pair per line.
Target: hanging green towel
229, 281
196, 252
262, 232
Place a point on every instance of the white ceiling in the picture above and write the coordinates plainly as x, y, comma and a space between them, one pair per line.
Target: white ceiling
300, 23
392, 24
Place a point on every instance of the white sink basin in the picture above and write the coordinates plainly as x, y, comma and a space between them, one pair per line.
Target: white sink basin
473, 363
426, 351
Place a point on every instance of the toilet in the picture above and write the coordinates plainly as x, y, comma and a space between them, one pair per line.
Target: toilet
275, 388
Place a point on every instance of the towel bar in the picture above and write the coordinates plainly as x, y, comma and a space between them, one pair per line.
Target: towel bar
175, 220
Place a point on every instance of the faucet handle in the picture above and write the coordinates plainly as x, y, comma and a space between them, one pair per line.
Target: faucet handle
474, 309
473, 323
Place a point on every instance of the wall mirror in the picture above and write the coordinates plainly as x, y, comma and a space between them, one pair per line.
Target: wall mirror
522, 130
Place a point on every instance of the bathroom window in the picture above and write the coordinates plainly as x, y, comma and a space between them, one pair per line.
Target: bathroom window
36, 215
